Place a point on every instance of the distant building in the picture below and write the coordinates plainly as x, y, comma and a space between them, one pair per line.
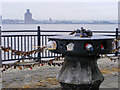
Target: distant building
11, 21
28, 17
50, 19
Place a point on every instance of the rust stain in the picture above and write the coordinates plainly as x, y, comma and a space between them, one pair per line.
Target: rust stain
26, 86
39, 84
116, 69
52, 81
106, 72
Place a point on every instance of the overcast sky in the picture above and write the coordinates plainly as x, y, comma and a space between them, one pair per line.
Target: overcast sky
59, 0
61, 10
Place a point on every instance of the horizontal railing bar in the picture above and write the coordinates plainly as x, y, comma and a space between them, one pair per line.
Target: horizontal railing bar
36, 31
110, 35
71, 31
23, 35
16, 35
58, 31
20, 31
104, 31
26, 58
36, 35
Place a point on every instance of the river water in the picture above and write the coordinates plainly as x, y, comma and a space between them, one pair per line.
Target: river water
59, 26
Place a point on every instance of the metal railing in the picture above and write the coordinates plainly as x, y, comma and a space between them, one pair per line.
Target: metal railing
29, 42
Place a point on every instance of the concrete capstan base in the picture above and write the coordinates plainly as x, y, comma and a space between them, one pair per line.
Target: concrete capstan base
80, 72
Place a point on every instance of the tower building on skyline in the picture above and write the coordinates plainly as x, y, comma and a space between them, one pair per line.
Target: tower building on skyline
0, 19
28, 17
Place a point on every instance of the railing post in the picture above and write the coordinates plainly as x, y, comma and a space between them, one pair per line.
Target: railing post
116, 53
119, 41
38, 33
